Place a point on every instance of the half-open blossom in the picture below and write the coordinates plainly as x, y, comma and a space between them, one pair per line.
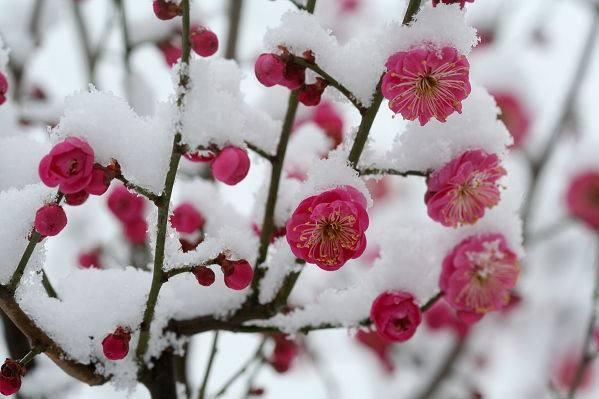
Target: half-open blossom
462, 3
583, 198
426, 83
69, 165
203, 41
478, 274
238, 274
515, 116
116, 345
166, 10
125, 205
328, 229
395, 315
50, 219
461, 191
329, 119
284, 353
10, 377
3, 88
442, 316
379, 345
231, 165
186, 218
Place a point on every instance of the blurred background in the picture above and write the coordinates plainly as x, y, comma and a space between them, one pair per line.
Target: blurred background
539, 58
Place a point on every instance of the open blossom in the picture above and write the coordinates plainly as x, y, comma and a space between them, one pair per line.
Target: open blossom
395, 315
116, 345
461, 191
426, 83
514, 115
10, 377
328, 229
3, 88
478, 275
69, 165
583, 198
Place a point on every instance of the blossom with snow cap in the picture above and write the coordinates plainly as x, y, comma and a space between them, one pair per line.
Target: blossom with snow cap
461, 191
478, 274
328, 229
426, 83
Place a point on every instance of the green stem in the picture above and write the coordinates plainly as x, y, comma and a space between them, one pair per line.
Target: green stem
428, 304
163, 209
213, 350
260, 151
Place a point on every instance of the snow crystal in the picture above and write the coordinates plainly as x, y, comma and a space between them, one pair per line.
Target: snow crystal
20, 157
359, 63
142, 146
215, 112
17, 216
433, 145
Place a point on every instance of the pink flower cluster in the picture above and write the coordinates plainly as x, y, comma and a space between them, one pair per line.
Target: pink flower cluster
461, 191
70, 166
426, 83
328, 229
272, 69
129, 209
583, 198
478, 276
229, 165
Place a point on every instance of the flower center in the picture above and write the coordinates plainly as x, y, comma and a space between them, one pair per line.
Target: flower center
594, 196
426, 85
401, 324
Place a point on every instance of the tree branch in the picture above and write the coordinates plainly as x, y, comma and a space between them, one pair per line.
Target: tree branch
395, 172
213, 350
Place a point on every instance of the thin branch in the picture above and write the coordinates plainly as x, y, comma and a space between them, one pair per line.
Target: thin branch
264, 154
331, 81
588, 353
394, 172
156, 199
429, 304
254, 358
31, 355
83, 33
213, 350
163, 209
48, 286
235, 11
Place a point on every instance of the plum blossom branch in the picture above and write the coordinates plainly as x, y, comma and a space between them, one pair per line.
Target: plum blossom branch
213, 350
588, 354
331, 81
254, 358
264, 154
156, 199
395, 172
163, 209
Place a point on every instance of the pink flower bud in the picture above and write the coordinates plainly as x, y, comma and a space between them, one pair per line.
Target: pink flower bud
50, 220
3, 88
116, 345
170, 52
125, 205
310, 95
284, 353
186, 219
89, 260
395, 315
231, 165
100, 181
69, 165
10, 377
269, 69
204, 275
135, 231
77, 198
166, 10
293, 76
203, 41
238, 274
583, 198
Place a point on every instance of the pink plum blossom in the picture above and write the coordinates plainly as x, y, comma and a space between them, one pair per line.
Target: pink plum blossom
426, 83
395, 315
231, 165
478, 275
69, 165
328, 229
461, 191
583, 198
